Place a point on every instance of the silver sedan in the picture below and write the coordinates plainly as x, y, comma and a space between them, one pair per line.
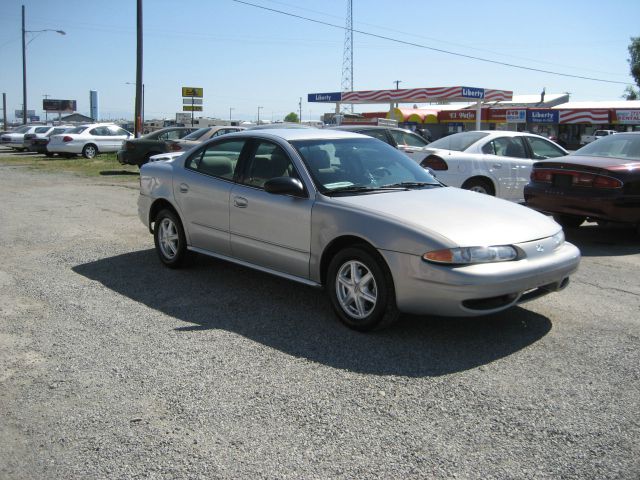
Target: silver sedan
351, 214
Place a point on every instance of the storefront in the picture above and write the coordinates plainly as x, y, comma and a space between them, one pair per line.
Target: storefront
626, 120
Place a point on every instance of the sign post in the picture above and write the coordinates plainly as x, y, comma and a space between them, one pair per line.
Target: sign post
192, 98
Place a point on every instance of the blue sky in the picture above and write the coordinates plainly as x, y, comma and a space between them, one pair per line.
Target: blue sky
245, 57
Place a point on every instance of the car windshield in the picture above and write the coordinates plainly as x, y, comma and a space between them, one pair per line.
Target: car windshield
458, 141
197, 134
620, 145
351, 165
77, 130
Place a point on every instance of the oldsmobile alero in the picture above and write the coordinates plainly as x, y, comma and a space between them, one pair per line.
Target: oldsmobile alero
356, 216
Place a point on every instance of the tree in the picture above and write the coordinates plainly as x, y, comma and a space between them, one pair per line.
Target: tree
292, 117
631, 93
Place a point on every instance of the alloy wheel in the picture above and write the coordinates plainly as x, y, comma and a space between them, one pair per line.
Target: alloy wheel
356, 289
169, 239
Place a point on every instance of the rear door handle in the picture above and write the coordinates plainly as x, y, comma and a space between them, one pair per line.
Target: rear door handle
497, 165
184, 188
240, 202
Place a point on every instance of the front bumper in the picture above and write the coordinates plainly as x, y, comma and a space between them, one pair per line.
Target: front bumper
123, 158
424, 288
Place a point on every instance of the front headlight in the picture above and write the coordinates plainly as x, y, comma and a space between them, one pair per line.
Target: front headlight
558, 239
470, 255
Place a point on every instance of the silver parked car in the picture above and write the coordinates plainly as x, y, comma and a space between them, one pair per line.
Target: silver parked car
355, 215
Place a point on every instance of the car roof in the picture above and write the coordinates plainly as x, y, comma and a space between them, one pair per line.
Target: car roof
369, 127
290, 134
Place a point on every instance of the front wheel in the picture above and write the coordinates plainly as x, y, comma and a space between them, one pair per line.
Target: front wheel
89, 151
479, 185
170, 240
361, 290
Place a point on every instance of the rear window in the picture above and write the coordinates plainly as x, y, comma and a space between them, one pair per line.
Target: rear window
42, 129
197, 134
620, 145
77, 130
458, 141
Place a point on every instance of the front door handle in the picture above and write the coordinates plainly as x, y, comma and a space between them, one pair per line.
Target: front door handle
184, 188
240, 202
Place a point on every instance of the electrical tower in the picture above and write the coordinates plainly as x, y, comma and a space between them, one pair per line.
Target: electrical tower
347, 60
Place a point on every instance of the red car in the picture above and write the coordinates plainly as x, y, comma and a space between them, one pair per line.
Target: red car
599, 182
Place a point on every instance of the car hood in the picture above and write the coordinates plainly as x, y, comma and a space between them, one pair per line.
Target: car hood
465, 218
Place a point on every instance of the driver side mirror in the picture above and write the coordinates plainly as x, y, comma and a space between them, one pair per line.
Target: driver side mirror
285, 186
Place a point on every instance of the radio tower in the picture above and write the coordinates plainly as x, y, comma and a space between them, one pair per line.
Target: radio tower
347, 60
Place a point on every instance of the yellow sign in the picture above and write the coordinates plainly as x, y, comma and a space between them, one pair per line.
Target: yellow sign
192, 108
192, 92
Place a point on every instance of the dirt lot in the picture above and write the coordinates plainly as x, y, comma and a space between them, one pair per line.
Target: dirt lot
112, 366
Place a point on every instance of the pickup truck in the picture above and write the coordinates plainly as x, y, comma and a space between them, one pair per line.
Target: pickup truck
584, 139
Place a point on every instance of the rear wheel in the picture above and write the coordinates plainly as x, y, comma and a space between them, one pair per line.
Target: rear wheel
170, 240
569, 221
89, 151
361, 290
479, 185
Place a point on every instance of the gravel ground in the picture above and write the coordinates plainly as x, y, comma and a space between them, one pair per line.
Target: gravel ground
112, 366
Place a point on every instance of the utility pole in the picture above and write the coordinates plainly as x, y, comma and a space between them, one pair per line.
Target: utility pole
24, 73
397, 82
300, 107
258, 122
139, 91
4, 111
46, 113
230, 110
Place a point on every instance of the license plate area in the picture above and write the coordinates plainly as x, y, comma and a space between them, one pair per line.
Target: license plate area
562, 180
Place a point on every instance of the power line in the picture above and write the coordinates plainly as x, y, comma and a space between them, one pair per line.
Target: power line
440, 50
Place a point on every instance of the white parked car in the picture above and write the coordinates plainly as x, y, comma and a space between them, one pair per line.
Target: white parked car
489, 161
15, 138
408, 142
89, 140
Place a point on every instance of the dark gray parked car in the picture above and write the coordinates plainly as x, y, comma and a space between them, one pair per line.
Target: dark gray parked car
137, 151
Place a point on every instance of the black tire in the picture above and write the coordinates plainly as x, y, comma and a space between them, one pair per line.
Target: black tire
568, 221
361, 314
48, 154
89, 151
479, 185
170, 240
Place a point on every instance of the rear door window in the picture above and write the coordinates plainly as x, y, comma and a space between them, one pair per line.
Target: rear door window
218, 159
542, 148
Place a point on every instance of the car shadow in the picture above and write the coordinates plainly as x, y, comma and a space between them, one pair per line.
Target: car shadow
604, 241
119, 173
298, 320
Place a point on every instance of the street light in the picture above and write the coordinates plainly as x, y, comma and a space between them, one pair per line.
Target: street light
259, 115
24, 63
230, 110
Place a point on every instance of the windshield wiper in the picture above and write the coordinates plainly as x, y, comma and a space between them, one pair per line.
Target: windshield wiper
359, 188
411, 184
